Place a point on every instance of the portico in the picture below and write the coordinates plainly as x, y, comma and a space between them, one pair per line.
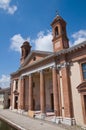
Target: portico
41, 90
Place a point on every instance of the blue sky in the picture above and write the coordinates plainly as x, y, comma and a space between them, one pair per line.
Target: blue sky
22, 20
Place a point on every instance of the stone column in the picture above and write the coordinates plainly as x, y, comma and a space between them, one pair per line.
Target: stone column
22, 94
68, 108
30, 93
55, 92
13, 102
42, 93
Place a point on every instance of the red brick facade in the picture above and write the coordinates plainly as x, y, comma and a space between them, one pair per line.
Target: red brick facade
48, 77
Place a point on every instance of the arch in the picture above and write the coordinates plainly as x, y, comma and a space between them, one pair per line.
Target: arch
82, 87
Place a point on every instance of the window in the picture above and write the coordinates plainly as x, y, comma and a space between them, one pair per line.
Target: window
34, 58
84, 70
26, 53
16, 85
56, 32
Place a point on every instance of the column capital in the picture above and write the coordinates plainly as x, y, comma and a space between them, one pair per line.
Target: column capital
29, 74
54, 67
41, 71
65, 64
21, 77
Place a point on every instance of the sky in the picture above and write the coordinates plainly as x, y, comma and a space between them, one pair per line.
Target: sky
30, 20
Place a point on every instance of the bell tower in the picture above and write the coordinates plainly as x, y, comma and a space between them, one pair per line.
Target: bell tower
60, 40
25, 50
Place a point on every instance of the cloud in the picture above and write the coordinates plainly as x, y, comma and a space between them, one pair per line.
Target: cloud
5, 5
78, 37
16, 42
4, 81
43, 41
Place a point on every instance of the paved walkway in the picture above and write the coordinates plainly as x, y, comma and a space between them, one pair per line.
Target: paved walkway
25, 123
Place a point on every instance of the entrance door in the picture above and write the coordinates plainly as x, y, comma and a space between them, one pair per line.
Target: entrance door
16, 102
52, 102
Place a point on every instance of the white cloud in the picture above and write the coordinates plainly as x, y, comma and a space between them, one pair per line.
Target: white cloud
16, 42
43, 41
5, 5
4, 81
79, 37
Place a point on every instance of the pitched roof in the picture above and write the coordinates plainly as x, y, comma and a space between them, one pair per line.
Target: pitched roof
46, 53
73, 48
52, 54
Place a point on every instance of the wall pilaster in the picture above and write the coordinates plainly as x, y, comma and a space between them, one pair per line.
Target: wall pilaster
68, 106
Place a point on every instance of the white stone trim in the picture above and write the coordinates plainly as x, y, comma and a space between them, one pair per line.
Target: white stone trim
68, 121
63, 65
63, 120
41, 116
38, 69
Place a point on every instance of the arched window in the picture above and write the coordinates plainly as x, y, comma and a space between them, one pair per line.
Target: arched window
56, 32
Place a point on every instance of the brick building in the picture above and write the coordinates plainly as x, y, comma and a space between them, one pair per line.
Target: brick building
52, 81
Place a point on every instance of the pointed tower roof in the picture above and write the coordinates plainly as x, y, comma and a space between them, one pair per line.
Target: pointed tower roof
58, 18
26, 43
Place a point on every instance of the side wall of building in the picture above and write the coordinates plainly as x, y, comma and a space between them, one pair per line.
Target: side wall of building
75, 78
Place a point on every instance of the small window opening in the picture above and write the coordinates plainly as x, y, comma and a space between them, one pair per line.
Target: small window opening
34, 58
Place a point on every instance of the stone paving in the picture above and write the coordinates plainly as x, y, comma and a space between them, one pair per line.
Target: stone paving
25, 123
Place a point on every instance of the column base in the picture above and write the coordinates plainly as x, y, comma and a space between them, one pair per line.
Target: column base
84, 128
31, 113
67, 121
56, 119
20, 111
10, 108
41, 116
